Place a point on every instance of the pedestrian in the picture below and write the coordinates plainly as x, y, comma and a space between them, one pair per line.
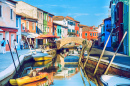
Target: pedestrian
21, 44
3, 45
14, 46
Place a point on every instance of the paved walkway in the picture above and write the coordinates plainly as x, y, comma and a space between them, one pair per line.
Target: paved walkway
108, 54
6, 59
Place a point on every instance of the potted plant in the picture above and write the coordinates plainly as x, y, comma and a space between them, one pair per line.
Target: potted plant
115, 45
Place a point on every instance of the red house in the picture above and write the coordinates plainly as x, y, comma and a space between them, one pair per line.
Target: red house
77, 28
89, 33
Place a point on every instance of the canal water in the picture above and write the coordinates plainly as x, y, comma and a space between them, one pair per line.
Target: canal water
60, 73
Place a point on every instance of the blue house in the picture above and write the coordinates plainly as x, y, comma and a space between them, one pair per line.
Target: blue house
107, 24
18, 34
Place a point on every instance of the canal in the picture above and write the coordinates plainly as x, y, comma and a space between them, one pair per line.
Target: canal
62, 73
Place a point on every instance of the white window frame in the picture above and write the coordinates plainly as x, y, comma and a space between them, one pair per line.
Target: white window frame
33, 26
23, 26
28, 25
1, 11
12, 14
46, 17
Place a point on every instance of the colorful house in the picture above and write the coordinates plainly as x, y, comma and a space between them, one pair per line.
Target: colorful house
61, 20
8, 27
80, 29
50, 24
28, 23
89, 33
77, 28
107, 22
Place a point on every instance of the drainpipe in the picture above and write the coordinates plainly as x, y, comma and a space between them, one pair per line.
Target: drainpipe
129, 29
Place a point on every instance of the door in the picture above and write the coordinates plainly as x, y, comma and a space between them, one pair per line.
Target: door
12, 39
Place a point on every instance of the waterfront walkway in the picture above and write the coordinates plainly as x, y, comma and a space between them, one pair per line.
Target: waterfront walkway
108, 54
6, 59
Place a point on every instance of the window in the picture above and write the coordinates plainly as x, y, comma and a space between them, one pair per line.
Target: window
23, 26
93, 34
90, 34
97, 34
16, 22
68, 22
44, 16
38, 14
41, 15
60, 31
48, 18
77, 32
51, 30
27, 25
11, 14
48, 29
85, 34
0, 11
33, 26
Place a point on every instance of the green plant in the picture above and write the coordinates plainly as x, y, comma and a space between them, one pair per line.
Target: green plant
48, 44
115, 44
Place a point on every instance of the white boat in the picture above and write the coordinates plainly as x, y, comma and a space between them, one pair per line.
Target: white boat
113, 80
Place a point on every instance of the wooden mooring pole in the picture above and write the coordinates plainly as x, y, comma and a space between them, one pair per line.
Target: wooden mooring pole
115, 53
102, 53
28, 44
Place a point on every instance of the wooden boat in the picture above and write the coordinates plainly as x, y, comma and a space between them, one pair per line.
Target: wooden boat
42, 63
27, 79
38, 83
113, 80
42, 56
71, 59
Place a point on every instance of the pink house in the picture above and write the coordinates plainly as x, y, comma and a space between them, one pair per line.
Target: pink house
8, 21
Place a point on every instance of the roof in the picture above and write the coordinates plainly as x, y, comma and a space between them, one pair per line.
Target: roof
88, 28
109, 18
58, 24
45, 11
58, 18
25, 16
12, 1
80, 25
70, 18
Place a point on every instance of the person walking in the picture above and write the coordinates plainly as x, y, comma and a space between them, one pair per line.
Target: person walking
14, 46
21, 44
3, 45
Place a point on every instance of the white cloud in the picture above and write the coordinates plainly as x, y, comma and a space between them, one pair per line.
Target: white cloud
77, 14
105, 7
100, 14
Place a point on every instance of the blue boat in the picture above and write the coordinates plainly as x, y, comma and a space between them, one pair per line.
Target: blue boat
71, 59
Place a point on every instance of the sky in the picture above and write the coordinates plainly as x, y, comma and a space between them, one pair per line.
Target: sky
87, 12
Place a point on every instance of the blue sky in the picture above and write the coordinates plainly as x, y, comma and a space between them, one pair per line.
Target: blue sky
88, 12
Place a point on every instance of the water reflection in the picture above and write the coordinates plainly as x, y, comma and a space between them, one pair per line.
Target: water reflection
60, 73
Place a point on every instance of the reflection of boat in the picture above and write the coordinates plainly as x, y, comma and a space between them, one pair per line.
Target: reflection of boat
38, 83
71, 59
42, 56
27, 79
41, 64
111, 80
71, 65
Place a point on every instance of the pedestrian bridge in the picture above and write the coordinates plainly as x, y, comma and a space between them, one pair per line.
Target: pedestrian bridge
60, 43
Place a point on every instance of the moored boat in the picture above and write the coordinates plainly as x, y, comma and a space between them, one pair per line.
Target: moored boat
42, 56
71, 59
27, 79
113, 80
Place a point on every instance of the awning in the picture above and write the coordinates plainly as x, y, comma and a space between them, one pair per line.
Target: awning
47, 36
9, 29
30, 35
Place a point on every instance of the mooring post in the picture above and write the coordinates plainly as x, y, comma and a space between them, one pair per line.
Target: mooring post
12, 58
17, 56
115, 53
102, 53
89, 54
28, 45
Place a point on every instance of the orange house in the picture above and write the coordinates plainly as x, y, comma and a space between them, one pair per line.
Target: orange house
28, 25
50, 23
89, 33
77, 28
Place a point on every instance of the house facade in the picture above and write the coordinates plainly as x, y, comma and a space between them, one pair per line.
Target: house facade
29, 21
107, 22
77, 28
8, 27
89, 33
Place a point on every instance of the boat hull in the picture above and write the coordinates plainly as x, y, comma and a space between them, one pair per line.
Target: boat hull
27, 79
45, 58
